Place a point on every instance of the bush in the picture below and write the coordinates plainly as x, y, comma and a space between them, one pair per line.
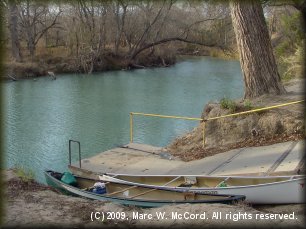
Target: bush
24, 174
289, 50
228, 104
293, 64
248, 104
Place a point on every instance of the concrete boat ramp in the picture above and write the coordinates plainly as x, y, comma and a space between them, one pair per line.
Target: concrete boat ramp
282, 158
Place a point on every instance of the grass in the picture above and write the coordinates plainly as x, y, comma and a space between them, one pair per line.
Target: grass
233, 107
229, 104
223, 54
24, 174
293, 64
248, 104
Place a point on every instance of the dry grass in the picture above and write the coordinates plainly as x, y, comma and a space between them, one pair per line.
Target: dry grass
53, 52
188, 151
293, 64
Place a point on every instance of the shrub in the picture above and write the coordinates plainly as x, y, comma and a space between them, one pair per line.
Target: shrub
293, 64
248, 104
24, 174
228, 104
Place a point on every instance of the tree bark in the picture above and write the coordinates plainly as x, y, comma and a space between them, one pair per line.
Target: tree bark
257, 61
13, 26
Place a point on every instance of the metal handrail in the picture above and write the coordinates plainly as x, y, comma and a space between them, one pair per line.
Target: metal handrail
255, 110
203, 119
80, 157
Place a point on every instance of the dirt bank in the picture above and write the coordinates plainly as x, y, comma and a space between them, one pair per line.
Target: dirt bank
30, 204
107, 61
40, 65
256, 129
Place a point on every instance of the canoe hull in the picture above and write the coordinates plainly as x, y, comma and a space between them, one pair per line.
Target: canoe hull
290, 192
70, 190
284, 192
273, 190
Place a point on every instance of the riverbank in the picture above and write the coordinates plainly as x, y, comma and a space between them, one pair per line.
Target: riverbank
256, 129
29, 204
40, 65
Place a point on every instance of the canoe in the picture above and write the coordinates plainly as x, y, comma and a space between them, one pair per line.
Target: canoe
257, 189
132, 194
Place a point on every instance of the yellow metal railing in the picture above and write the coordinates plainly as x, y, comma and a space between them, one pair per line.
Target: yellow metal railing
159, 116
205, 120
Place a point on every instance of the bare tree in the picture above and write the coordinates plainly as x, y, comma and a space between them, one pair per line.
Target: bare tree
254, 45
184, 28
90, 32
34, 23
120, 8
96, 32
13, 27
148, 8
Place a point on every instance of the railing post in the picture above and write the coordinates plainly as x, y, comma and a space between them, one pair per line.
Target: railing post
70, 152
204, 122
131, 127
80, 156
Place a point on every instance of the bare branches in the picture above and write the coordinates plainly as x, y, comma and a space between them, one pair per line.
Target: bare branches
169, 40
92, 29
120, 10
147, 29
14, 34
44, 30
34, 23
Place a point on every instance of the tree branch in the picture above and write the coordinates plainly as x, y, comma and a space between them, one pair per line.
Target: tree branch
169, 40
42, 32
148, 29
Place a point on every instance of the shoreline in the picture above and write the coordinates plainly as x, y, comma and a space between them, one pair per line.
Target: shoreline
15, 71
32, 204
35, 69
272, 126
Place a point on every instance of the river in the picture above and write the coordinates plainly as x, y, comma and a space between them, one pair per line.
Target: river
40, 116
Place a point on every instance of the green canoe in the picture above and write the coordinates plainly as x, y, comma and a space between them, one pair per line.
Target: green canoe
134, 195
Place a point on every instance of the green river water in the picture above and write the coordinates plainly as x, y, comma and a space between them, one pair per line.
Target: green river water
40, 116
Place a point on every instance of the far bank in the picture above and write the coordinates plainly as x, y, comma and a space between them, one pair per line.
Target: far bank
40, 65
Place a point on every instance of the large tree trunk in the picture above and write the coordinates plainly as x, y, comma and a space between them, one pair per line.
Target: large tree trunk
13, 26
257, 61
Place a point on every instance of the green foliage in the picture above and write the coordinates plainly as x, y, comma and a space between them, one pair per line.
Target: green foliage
292, 64
248, 104
292, 32
292, 27
289, 51
228, 104
24, 174
283, 48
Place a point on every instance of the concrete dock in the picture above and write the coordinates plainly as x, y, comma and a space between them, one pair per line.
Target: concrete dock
133, 158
